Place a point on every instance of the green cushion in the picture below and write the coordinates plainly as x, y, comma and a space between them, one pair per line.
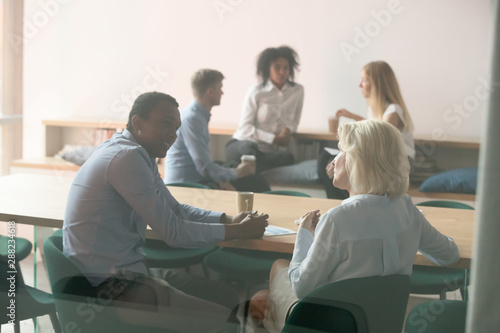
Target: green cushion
454, 181
434, 280
160, 255
58, 233
445, 204
289, 193
191, 185
240, 264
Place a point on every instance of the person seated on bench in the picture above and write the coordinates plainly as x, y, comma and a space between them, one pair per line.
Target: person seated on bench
189, 159
271, 112
117, 193
377, 231
380, 88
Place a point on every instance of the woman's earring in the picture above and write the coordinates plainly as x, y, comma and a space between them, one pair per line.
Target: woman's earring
139, 132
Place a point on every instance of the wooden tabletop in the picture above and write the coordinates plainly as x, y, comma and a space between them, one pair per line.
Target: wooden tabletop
41, 200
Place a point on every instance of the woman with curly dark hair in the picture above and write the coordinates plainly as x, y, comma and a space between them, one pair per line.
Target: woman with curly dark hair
271, 112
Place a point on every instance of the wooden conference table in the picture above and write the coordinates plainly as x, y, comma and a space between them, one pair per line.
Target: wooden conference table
40, 200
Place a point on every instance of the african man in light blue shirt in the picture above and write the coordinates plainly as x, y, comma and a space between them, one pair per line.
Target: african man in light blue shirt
116, 194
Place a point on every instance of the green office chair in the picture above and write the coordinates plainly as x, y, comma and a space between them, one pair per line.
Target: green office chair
160, 255
431, 280
29, 302
78, 304
372, 304
445, 204
289, 193
437, 316
188, 184
58, 233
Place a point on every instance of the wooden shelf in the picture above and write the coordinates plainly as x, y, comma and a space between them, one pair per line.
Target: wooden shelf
229, 129
50, 163
96, 123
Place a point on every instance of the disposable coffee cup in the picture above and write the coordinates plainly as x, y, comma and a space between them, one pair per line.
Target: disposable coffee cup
333, 124
247, 158
244, 201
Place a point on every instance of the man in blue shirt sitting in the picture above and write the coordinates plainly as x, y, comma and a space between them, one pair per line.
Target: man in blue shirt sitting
190, 160
116, 194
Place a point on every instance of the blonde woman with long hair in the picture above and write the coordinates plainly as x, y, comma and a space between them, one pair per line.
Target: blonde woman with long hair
380, 88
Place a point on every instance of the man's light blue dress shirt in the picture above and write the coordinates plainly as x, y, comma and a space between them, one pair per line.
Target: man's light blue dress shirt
189, 159
114, 196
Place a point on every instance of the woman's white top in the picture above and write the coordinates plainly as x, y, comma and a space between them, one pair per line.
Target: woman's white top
367, 235
267, 110
407, 135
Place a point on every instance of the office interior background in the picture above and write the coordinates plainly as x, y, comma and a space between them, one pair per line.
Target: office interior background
90, 58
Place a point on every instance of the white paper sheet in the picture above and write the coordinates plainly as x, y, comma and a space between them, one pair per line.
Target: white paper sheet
332, 151
272, 230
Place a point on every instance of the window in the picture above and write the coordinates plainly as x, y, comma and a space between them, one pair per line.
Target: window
10, 84
1, 85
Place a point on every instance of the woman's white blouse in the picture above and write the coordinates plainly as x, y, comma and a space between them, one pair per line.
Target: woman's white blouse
267, 110
368, 235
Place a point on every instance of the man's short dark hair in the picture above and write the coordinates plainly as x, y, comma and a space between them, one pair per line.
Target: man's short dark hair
145, 103
269, 55
204, 79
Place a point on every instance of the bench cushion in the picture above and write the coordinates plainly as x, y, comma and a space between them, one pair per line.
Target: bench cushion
453, 181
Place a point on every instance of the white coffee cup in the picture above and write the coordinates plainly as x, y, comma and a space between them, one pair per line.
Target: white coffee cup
247, 158
244, 201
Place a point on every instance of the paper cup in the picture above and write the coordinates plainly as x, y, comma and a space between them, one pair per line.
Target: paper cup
244, 201
333, 124
247, 158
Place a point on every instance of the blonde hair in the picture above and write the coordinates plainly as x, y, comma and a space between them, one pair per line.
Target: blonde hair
376, 160
386, 89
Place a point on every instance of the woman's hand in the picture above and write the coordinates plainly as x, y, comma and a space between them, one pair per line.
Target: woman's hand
283, 139
225, 186
347, 114
330, 170
310, 220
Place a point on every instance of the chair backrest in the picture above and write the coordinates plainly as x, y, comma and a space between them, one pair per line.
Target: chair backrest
289, 193
79, 307
187, 184
64, 276
22, 247
445, 204
437, 316
376, 304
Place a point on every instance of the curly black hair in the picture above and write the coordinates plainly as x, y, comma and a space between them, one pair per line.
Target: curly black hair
145, 103
269, 55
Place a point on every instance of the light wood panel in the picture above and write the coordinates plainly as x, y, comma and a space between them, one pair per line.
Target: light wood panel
229, 129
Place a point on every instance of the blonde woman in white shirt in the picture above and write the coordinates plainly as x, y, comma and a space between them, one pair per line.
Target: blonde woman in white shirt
376, 232
271, 112
380, 88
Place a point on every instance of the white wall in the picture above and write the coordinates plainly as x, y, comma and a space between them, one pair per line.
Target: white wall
88, 57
